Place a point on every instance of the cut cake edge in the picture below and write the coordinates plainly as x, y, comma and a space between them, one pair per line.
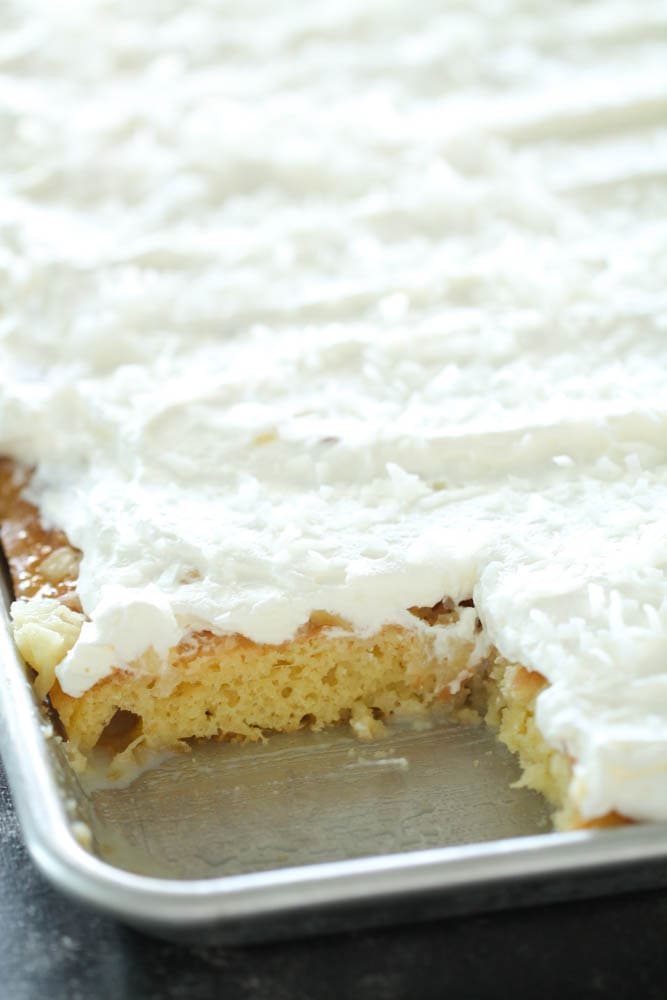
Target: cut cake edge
228, 687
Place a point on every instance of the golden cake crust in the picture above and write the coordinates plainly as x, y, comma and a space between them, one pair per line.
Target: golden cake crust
42, 562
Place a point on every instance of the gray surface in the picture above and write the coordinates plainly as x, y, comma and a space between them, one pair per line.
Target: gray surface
599, 948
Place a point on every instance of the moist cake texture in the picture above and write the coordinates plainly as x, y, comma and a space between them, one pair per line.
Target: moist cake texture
227, 685
310, 319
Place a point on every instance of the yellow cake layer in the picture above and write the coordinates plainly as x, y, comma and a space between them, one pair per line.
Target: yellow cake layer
230, 687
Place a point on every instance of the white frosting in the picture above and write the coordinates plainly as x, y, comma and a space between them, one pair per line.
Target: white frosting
349, 308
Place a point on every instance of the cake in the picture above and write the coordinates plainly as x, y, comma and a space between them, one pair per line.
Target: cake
332, 380
224, 685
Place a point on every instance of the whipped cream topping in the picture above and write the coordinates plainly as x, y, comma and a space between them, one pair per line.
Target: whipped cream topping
351, 308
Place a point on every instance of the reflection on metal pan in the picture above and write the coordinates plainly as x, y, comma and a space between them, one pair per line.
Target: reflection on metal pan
305, 833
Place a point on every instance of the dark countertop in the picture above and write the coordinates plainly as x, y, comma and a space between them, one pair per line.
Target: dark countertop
50, 947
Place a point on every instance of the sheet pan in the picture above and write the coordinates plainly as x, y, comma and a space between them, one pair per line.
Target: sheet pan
303, 834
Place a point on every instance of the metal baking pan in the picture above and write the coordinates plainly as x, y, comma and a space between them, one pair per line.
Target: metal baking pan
304, 834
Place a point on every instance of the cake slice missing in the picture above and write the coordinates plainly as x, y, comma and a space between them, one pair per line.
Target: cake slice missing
228, 687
